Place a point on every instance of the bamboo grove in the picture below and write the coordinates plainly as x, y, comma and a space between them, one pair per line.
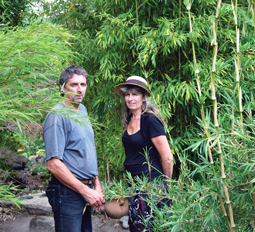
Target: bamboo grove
198, 57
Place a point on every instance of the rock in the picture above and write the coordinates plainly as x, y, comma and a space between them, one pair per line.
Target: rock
34, 160
124, 222
38, 205
22, 223
26, 197
32, 217
42, 223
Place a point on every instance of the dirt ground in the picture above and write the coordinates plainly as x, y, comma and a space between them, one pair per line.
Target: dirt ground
14, 220
103, 224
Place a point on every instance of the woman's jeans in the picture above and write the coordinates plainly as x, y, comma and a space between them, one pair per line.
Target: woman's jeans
68, 206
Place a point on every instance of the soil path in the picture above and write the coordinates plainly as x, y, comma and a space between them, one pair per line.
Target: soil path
21, 223
36, 216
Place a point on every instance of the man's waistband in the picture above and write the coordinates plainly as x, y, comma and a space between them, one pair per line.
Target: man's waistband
85, 181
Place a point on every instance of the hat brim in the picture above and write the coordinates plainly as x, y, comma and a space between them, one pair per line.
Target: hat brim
117, 88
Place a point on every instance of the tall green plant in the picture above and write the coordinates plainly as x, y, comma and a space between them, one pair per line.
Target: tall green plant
117, 39
12, 11
30, 61
215, 48
238, 87
216, 123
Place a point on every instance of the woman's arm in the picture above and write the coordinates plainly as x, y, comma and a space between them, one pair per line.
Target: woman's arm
162, 146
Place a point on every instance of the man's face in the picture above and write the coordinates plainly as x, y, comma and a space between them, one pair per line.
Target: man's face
77, 85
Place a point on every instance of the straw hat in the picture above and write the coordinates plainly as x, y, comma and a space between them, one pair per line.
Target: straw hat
133, 80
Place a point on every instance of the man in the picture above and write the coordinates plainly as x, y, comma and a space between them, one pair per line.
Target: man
71, 157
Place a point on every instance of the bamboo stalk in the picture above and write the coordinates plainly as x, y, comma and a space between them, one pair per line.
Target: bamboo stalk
202, 104
249, 178
237, 67
227, 29
108, 170
218, 9
235, 12
232, 121
102, 144
240, 103
254, 13
179, 50
180, 11
216, 123
244, 26
210, 155
137, 14
222, 205
188, 6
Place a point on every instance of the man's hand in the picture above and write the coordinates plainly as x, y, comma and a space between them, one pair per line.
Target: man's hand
62, 173
94, 198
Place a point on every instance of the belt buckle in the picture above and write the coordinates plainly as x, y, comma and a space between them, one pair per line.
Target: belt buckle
87, 181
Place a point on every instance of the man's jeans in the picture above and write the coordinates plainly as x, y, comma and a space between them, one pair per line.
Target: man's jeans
68, 206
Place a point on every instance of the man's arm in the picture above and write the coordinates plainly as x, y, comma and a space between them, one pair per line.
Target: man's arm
62, 173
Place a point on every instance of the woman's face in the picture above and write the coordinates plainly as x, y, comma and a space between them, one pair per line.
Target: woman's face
134, 100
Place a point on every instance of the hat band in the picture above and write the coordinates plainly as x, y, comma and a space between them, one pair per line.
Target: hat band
136, 82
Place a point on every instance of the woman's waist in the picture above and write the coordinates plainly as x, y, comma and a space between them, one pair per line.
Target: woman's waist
144, 169
139, 163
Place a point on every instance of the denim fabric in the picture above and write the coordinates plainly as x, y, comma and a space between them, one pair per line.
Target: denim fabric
68, 206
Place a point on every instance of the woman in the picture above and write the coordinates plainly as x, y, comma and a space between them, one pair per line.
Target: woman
146, 146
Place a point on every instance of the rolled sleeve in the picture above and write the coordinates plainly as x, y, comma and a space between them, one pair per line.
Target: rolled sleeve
54, 137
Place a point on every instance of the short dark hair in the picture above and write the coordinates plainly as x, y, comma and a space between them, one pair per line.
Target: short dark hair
69, 72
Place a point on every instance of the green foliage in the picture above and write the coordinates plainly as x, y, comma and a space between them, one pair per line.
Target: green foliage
153, 39
12, 11
31, 59
194, 203
117, 39
6, 194
117, 189
26, 142
110, 152
41, 170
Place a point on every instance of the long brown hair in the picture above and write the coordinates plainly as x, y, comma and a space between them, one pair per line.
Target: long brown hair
147, 106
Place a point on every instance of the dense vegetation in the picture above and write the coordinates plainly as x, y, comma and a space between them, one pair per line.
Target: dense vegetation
30, 61
198, 57
11, 12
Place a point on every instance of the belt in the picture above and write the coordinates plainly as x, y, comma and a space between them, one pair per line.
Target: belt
87, 181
